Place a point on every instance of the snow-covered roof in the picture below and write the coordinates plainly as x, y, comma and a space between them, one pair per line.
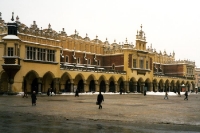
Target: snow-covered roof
12, 37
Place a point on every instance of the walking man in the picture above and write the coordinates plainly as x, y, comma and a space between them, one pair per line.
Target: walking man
100, 99
33, 97
166, 95
186, 95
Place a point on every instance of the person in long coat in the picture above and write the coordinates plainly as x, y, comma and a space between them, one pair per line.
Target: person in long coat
33, 97
166, 95
76, 93
100, 99
186, 95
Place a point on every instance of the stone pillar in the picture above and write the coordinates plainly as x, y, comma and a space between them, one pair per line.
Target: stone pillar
135, 86
56, 84
127, 86
163, 87
97, 87
39, 85
107, 87
86, 87
157, 89
142, 87
150, 86
116, 87
72, 85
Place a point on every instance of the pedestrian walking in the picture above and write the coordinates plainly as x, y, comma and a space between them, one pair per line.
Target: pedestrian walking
186, 95
179, 93
33, 97
48, 92
76, 93
25, 93
121, 90
145, 92
99, 100
166, 95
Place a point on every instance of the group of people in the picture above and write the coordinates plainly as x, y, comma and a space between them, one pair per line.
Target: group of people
186, 95
51, 91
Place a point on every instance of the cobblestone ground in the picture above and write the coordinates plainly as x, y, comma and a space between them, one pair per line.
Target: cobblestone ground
121, 113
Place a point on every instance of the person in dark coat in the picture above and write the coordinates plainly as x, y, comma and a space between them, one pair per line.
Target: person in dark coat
33, 97
121, 90
166, 95
48, 92
186, 95
76, 93
100, 99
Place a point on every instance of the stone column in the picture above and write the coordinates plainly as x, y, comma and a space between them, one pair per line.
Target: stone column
135, 86
97, 87
163, 87
107, 86
56, 84
39, 85
142, 87
127, 86
150, 86
116, 87
86, 87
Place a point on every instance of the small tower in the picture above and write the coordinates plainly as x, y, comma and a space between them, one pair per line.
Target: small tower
141, 40
12, 26
11, 52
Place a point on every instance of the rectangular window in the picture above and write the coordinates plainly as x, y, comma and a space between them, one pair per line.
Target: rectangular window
147, 65
50, 55
41, 54
141, 63
10, 51
78, 61
89, 61
31, 53
134, 63
66, 58
98, 62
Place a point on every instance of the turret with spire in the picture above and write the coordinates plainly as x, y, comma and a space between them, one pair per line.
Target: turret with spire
12, 26
141, 40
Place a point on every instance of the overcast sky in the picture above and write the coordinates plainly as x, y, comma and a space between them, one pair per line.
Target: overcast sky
171, 25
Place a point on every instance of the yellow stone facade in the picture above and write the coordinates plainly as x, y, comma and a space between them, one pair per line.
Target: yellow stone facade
38, 59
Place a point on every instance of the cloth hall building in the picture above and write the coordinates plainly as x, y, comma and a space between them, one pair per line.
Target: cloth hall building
33, 58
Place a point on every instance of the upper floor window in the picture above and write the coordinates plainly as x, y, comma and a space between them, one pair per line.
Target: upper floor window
78, 61
31, 53
50, 55
98, 62
134, 63
34, 53
41, 54
89, 61
147, 65
10, 51
113, 66
67, 58
141, 63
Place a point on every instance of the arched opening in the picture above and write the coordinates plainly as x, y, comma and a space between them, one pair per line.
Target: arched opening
112, 86
4, 83
67, 86
80, 86
121, 86
92, 86
102, 86
34, 86
131, 87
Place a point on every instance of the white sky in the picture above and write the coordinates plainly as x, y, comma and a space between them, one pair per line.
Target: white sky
171, 25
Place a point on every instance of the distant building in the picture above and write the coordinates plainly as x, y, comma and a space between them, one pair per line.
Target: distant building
37, 59
197, 78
